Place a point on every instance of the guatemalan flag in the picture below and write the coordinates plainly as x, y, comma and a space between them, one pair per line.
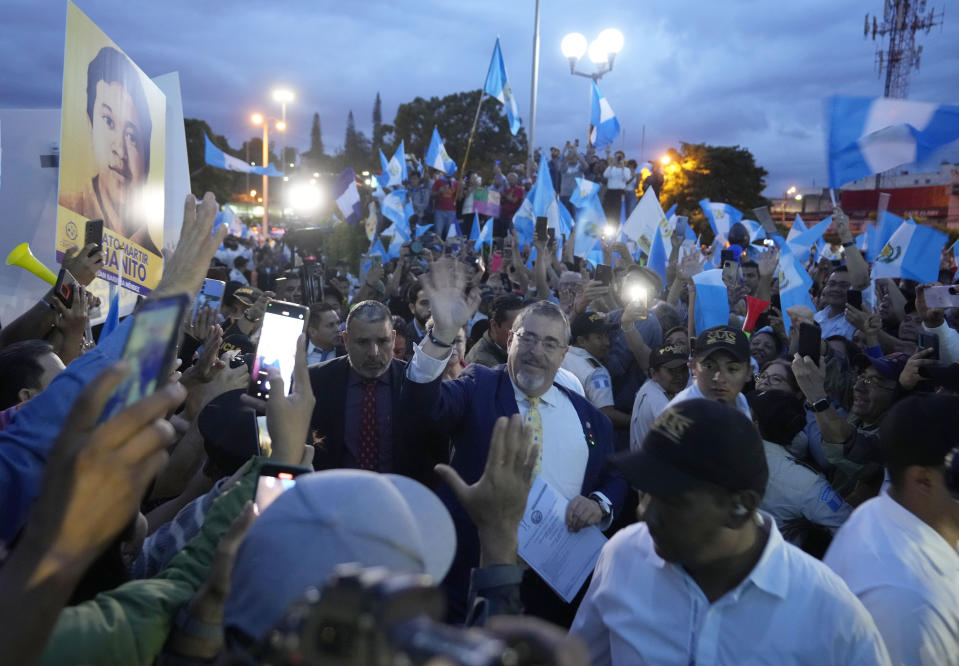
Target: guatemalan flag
347, 197
869, 135
437, 157
395, 210
215, 157
913, 253
604, 127
794, 283
497, 85
584, 193
712, 300
540, 202
721, 216
394, 171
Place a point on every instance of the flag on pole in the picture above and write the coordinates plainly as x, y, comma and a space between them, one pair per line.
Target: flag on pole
453, 230
585, 191
721, 216
882, 232
657, 256
869, 135
913, 252
486, 202
215, 157
604, 127
800, 241
712, 301
395, 209
422, 229
347, 197
647, 217
437, 157
540, 202
394, 170
497, 85
486, 234
590, 220
794, 283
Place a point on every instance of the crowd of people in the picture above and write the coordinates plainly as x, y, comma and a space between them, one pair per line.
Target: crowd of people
761, 504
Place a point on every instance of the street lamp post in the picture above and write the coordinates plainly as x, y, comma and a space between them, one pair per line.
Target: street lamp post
786, 195
283, 97
602, 52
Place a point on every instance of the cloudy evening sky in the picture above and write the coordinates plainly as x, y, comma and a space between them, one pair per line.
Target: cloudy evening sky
746, 72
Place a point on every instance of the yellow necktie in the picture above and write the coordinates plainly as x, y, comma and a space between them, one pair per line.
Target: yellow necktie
535, 423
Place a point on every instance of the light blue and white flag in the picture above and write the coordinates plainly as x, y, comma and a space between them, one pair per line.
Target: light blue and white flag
585, 191
486, 234
497, 85
646, 219
422, 229
721, 216
475, 229
869, 135
437, 157
794, 283
913, 253
395, 243
395, 210
800, 240
540, 202
376, 247
347, 197
453, 230
217, 158
590, 221
604, 127
565, 222
394, 171
886, 227
657, 256
712, 300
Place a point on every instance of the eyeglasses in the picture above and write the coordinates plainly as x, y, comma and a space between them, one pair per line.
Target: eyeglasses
529, 340
772, 379
874, 382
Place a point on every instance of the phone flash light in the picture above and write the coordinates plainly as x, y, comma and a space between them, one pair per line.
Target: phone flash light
637, 294
608, 231
768, 242
284, 475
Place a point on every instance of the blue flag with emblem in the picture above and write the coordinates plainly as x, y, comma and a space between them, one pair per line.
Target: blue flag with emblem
604, 127
394, 171
437, 157
497, 86
913, 252
794, 283
712, 301
590, 221
394, 209
870, 135
886, 227
584, 192
721, 216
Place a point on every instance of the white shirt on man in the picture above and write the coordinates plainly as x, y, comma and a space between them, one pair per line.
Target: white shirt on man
790, 609
834, 325
906, 575
616, 177
592, 374
692, 392
651, 401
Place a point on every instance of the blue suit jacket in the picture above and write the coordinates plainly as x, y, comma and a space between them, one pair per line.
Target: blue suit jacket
466, 409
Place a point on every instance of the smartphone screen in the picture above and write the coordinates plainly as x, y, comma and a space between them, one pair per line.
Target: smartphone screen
731, 274
854, 298
810, 341
273, 481
150, 350
727, 255
942, 297
94, 234
604, 274
282, 324
541, 226
927, 341
66, 287
211, 293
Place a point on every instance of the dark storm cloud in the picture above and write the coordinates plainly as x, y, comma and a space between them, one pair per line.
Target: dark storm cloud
748, 72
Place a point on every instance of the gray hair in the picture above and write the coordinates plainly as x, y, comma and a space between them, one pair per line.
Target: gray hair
369, 312
546, 309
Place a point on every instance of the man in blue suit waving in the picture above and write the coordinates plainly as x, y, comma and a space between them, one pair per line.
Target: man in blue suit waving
576, 438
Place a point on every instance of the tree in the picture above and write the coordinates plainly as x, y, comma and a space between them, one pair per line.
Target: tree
728, 174
377, 123
203, 178
453, 117
315, 157
356, 148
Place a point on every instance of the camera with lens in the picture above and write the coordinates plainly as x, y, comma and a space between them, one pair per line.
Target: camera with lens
372, 617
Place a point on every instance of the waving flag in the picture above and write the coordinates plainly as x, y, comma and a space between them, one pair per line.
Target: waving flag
657, 256
794, 283
376, 247
888, 224
647, 217
721, 216
800, 240
394, 171
486, 234
486, 202
396, 210
437, 157
453, 230
869, 135
540, 202
394, 250
585, 191
913, 253
712, 301
604, 127
347, 197
371, 222
497, 85
475, 229
590, 221
215, 157
565, 222
422, 229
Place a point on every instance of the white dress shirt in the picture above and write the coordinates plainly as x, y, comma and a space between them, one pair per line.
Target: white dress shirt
692, 392
834, 325
316, 355
592, 374
790, 609
651, 401
906, 575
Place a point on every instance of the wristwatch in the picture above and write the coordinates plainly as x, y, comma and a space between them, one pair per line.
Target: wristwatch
820, 405
603, 504
436, 341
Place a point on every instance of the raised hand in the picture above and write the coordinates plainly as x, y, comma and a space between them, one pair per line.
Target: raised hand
84, 263
931, 317
453, 299
841, 221
691, 264
184, 270
910, 375
768, 261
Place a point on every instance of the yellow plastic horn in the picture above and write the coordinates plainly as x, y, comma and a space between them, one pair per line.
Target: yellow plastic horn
22, 256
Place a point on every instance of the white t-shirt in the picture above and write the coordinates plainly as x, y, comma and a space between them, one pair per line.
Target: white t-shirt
616, 177
692, 392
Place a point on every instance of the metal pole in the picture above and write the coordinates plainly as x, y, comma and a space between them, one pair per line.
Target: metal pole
469, 142
266, 179
534, 86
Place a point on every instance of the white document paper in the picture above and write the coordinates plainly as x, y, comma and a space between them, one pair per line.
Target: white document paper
562, 558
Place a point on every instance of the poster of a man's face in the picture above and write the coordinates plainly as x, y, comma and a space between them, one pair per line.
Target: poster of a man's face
111, 155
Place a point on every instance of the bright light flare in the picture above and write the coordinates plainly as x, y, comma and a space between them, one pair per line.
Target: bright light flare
574, 45
304, 198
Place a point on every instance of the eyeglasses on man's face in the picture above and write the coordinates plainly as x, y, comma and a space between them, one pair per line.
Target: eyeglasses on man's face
529, 340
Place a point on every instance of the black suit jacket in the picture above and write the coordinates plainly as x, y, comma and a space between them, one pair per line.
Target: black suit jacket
415, 448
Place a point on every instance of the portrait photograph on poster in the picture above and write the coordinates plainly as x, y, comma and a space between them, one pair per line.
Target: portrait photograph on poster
111, 156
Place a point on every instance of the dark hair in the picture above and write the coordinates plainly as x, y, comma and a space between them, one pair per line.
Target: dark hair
111, 66
779, 416
399, 325
239, 261
749, 263
317, 309
412, 291
503, 305
369, 311
19, 368
790, 377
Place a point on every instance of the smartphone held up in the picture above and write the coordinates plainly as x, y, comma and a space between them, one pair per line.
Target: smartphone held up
282, 325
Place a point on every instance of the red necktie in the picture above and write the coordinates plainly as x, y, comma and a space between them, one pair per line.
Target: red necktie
369, 445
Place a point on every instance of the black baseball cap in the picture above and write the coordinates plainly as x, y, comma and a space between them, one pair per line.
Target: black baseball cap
695, 443
669, 355
722, 338
587, 323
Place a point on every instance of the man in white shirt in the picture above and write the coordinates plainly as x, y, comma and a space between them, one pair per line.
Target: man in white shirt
668, 375
323, 332
898, 551
707, 578
721, 368
832, 317
584, 359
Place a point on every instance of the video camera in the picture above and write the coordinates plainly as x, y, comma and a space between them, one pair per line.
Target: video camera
373, 617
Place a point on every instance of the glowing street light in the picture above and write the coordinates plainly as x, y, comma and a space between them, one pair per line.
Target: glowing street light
304, 198
602, 51
280, 125
665, 160
788, 193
